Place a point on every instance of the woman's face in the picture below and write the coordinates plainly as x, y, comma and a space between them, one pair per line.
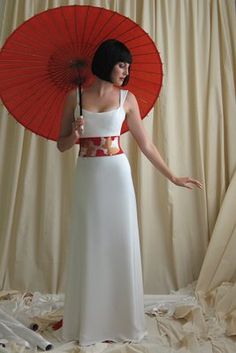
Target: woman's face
119, 72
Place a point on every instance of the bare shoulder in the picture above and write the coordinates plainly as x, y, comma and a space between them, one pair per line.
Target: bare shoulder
70, 99
131, 97
131, 103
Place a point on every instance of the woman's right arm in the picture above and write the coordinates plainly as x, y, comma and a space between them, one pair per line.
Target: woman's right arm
69, 132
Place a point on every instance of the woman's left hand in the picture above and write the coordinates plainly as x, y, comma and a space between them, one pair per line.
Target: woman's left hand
187, 182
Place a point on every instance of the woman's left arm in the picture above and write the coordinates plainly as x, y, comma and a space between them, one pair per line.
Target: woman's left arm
148, 148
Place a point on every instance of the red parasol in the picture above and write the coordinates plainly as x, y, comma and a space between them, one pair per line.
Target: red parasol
45, 56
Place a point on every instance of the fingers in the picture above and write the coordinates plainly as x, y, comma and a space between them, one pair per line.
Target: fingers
195, 182
188, 182
75, 131
75, 125
80, 121
78, 124
188, 187
198, 184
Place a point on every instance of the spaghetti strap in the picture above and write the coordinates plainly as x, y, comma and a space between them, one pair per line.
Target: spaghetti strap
123, 95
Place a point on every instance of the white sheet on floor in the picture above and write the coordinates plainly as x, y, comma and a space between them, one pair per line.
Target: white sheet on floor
176, 323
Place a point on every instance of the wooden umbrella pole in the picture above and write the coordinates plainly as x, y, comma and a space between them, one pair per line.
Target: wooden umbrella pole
80, 99
80, 107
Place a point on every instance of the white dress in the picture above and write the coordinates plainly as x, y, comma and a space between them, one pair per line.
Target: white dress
104, 289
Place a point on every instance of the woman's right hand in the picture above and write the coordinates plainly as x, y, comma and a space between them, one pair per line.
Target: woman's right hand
77, 128
71, 125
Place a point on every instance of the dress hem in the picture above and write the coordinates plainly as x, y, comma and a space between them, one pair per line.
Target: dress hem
115, 340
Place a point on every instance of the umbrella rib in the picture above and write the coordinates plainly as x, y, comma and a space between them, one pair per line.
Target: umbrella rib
134, 38
39, 42
24, 74
148, 72
45, 71
48, 110
112, 30
124, 32
92, 28
149, 91
61, 78
142, 80
143, 54
34, 116
140, 89
7, 51
87, 50
18, 76
19, 62
86, 20
48, 32
34, 82
28, 45
146, 45
76, 27
102, 29
45, 35
68, 31
58, 110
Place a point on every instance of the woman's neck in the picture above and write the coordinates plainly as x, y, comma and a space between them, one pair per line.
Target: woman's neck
102, 87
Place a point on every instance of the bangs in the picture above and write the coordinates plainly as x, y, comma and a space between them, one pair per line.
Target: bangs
125, 56
108, 54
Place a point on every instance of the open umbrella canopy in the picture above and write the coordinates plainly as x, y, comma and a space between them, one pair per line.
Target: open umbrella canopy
43, 59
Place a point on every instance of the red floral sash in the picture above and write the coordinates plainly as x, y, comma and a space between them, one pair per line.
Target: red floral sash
100, 146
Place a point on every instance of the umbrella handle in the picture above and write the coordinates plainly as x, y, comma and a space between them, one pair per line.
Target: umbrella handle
80, 99
81, 128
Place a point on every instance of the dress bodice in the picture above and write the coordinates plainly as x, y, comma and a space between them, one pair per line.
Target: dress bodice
102, 124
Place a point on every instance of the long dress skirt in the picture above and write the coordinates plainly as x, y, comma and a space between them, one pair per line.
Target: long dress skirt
104, 289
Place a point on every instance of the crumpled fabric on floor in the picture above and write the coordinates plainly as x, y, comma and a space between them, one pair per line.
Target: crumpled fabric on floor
14, 331
20, 314
181, 322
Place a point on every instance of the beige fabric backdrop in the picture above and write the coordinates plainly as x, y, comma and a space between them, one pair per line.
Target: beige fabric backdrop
193, 124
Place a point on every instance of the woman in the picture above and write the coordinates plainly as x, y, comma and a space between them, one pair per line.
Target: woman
104, 292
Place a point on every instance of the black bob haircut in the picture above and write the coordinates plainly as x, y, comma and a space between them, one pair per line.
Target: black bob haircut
107, 55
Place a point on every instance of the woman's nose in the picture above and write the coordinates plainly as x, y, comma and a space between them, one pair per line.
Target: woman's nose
126, 70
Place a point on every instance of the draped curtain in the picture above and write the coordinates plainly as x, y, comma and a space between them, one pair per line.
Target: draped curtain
185, 235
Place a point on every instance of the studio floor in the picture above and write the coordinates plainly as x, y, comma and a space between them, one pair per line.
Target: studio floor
179, 322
